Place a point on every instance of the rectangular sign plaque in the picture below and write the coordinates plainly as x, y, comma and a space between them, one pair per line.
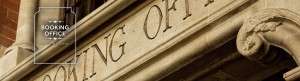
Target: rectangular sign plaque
50, 29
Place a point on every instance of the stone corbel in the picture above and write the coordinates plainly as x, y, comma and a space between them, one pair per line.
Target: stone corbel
276, 27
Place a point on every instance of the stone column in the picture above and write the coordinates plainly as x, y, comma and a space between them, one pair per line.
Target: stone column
24, 37
23, 46
276, 27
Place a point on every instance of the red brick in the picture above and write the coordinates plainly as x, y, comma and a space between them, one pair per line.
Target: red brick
2, 21
1, 24
5, 41
9, 24
16, 1
10, 5
2, 2
12, 16
11, 34
2, 28
3, 12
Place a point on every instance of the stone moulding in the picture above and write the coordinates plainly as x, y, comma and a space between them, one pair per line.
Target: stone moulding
84, 26
276, 27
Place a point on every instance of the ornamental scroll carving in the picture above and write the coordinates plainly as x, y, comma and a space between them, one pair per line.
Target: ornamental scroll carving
259, 32
249, 42
277, 27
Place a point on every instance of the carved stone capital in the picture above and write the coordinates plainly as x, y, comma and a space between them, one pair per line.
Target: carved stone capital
274, 26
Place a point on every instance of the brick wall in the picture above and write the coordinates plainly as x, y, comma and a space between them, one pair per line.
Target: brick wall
9, 10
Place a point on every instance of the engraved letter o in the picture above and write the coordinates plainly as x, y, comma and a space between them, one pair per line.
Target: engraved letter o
159, 24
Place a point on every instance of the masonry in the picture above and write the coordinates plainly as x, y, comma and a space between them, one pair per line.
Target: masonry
9, 10
167, 40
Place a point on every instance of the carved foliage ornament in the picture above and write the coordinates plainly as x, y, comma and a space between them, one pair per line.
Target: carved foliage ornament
250, 42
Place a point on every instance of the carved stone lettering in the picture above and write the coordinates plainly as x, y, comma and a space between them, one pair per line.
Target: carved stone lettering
209, 2
167, 15
154, 9
135, 37
187, 10
173, 6
104, 58
122, 46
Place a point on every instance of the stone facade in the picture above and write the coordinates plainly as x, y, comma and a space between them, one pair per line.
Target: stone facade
168, 40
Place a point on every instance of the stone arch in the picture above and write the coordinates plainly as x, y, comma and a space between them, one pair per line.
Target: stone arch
275, 26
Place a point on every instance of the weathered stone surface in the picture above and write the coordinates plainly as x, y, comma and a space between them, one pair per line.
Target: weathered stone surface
127, 43
9, 61
154, 39
2, 50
